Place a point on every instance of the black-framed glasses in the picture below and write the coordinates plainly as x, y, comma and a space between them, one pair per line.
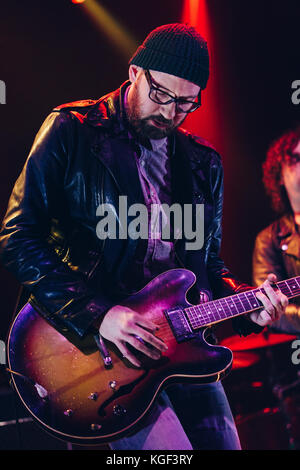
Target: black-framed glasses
159, 96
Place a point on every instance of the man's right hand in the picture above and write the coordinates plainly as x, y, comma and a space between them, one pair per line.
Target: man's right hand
123, 325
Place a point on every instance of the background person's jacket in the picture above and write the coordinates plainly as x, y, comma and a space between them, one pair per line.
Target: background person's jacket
277, 250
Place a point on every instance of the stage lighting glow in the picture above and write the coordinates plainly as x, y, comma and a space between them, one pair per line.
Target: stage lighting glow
195, 13
110, 26
77, 1
191, 9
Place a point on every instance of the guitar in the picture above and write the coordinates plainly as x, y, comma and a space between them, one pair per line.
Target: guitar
83, 390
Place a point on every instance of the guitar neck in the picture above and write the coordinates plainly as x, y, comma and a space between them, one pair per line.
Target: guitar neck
219, 310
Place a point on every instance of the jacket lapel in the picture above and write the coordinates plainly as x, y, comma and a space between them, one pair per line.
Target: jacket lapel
116, 153
289, 237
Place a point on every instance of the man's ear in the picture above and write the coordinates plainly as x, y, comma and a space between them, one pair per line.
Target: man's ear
133, 72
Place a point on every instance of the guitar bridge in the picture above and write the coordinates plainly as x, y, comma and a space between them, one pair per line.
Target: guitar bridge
179, 324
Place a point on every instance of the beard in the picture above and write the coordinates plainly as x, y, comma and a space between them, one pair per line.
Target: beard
143, 126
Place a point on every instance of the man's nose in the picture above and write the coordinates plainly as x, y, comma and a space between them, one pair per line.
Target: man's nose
168, 111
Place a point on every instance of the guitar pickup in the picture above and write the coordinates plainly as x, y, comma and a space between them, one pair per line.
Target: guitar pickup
179, 325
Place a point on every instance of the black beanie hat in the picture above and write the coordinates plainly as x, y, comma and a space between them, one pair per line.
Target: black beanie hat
177, 49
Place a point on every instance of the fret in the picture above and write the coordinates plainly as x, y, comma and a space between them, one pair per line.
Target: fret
290, 292
209, 307
292, 285
227, 307
231, 305
196, 315
206, 316
193, 314
203, 312
286, 291
296, 279
252, 299
293, 282
215, 310
220, 308
245, 302
239, 305
202, 318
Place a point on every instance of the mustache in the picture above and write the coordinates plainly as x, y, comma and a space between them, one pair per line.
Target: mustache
161, 119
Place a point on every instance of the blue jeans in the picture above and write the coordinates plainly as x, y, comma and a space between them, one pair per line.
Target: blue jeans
186, 417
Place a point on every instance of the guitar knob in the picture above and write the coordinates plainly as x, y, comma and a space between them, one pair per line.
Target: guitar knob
68, 412
119, 410
95, 427
113, 384
93, 396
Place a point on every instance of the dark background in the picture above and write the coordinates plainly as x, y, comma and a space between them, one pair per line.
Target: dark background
52, 53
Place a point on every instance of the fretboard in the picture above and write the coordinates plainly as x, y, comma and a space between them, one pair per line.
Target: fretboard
245, 302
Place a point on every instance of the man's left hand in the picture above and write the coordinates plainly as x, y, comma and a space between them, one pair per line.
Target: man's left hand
274, 302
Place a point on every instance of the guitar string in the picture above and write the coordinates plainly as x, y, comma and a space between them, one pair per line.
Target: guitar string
197, 312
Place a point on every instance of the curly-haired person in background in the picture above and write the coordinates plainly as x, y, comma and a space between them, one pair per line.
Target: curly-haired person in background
277, 247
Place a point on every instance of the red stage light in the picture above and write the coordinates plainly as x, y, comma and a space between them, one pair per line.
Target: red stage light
204, 122
77, 1
257, 384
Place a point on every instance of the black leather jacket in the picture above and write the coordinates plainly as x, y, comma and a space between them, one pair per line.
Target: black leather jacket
81, 157
277, 250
